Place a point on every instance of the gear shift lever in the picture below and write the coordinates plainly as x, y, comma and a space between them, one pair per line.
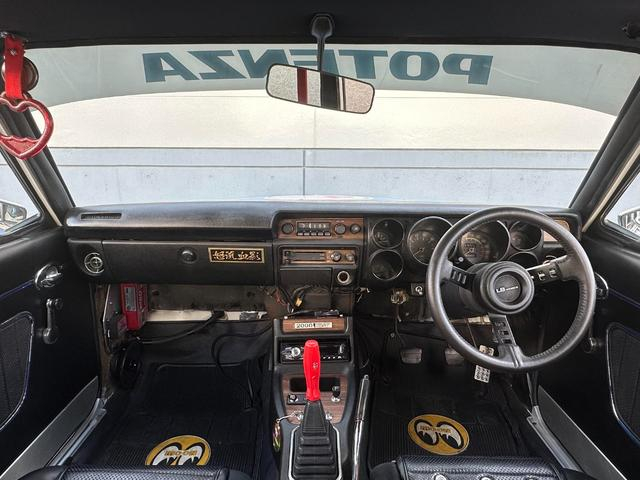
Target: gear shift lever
315, 447
311, 365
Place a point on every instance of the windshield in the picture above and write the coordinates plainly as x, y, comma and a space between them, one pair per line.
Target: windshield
449, 124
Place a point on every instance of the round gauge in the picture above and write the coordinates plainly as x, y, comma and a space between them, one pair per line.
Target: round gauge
388, 233
475, 247
424, 236
422, 243
486, 243
525, 259
386, 265
525, 236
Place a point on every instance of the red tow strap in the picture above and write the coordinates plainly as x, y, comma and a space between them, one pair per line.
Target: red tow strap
13, 61
20, 102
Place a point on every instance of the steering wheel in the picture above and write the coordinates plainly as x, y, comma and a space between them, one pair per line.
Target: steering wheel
505, 288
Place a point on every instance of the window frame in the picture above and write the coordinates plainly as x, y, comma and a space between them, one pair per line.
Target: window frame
32, 223
613, 229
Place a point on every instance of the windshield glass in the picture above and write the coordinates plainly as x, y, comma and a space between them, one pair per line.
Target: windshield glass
449, 124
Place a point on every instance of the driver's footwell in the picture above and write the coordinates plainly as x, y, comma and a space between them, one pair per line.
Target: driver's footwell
195, 400
481, 409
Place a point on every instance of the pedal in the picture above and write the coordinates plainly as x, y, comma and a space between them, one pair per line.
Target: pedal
483, 374
453, 358
411, 356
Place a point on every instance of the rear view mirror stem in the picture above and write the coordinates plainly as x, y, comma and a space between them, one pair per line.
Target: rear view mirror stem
321, 29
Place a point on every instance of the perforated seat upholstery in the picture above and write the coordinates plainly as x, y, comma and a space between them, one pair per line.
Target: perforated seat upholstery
472, 468
87, 472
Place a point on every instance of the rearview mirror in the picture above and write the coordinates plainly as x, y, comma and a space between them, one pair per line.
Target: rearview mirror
319, 89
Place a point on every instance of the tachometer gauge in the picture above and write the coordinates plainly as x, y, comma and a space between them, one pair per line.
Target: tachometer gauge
475, 247
422, 244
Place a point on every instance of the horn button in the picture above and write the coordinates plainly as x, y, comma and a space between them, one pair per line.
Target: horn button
504, 287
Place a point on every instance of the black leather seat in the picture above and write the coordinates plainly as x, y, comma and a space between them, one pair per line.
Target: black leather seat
87, 472
472, 468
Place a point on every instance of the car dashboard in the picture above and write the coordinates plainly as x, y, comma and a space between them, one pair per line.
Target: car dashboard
342, 247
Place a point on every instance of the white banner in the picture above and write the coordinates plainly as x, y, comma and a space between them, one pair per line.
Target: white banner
590, 78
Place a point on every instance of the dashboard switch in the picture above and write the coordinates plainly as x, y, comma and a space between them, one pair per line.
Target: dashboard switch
340, 229
355, 228
336, 256
287, 228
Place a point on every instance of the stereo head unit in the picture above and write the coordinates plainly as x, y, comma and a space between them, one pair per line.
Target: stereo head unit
330, 351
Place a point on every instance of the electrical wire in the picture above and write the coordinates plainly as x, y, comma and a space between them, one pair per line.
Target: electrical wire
215, 355
215, 316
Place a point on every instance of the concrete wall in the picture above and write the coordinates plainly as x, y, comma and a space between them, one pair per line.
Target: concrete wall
465, 176
431, 147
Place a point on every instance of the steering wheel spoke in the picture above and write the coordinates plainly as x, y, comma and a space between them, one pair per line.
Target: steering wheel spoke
457, 276
561, 268
508, 349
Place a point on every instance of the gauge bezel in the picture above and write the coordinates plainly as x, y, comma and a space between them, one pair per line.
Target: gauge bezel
420, 225
526, 226
386, 247
387, 251
527, 254
490, 229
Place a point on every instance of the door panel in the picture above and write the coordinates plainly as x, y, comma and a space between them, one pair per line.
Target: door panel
580, 384
56, 372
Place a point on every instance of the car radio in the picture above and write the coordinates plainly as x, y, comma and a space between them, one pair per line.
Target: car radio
330, 351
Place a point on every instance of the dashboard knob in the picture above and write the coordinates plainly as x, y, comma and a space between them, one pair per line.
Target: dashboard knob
355, 228
340, 229
287, 228
187, 255
296, 352
336, 256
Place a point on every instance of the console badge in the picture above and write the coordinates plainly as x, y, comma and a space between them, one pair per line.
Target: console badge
236, 255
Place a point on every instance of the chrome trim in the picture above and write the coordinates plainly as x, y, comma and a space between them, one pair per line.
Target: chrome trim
586, 453
55, 435
620, 177
74, 443
361, 415
291, 477
26, 371
48, 276
549, 439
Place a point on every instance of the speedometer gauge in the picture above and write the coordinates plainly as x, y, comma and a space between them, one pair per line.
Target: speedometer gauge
486, 243
475, 247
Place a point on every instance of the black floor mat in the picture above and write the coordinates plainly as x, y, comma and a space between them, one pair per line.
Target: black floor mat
189, 400
481, 410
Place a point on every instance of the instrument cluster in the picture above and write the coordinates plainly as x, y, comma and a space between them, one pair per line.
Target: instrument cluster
400, 248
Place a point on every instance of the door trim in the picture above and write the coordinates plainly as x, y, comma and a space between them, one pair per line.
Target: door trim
586, 453
56, 434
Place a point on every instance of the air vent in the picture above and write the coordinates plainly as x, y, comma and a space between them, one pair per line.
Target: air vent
101, 216
93, 263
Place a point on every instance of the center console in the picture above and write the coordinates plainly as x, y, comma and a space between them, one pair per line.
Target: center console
337, 388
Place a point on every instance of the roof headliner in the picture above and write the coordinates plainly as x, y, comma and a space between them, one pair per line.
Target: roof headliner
595, 23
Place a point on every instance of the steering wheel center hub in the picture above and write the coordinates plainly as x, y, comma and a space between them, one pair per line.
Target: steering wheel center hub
504, 287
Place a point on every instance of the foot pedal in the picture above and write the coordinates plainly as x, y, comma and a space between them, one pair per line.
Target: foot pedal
411, 356
453, 358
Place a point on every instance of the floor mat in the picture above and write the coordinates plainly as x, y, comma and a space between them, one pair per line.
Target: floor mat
481, 410
189, 400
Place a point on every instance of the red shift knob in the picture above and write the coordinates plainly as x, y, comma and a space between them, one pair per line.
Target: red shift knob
311, 364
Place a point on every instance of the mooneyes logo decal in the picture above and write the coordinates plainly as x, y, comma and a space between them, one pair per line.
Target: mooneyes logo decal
182, 450
438, 434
